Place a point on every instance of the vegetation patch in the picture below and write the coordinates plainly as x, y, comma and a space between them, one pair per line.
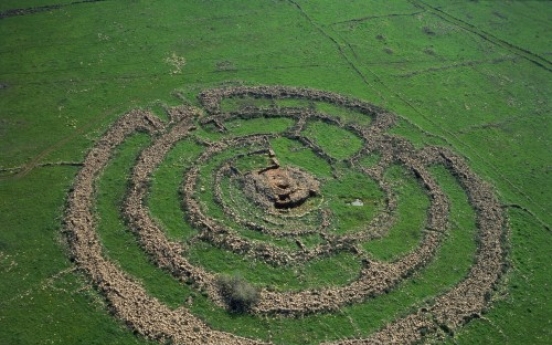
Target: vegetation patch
237, 292
337, 142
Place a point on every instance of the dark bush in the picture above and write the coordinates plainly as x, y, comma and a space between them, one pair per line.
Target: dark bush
237, 292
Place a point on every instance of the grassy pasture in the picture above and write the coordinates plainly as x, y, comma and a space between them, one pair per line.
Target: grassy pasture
473, 76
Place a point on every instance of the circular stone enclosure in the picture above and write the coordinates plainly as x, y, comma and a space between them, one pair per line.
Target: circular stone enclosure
245, 196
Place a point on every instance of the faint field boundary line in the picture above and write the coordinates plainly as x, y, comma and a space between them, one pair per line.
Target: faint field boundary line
539, 61
468, 27
41, 165
457, 65
461, 142
31, 10
530, 213
27, 168
135, 76
524, 53
366, 18
335, 42
46, 283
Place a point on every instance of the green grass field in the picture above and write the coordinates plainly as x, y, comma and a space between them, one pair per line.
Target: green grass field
472, 76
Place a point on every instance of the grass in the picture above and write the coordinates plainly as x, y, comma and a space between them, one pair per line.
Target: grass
415, 136
269, 126
347, 116
341, 192
335, 270
164, 201
411, 213
469, 82
236, 103
290, 152
336, 142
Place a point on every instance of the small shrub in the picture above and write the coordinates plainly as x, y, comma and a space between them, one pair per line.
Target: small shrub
428, 30
237, 292
429, 51
225, 66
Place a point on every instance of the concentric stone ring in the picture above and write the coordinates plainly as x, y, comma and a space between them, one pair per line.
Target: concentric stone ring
281, 191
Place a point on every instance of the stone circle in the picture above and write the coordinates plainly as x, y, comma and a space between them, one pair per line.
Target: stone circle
285, 194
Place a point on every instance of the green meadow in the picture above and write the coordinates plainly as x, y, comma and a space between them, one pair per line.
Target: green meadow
472, 76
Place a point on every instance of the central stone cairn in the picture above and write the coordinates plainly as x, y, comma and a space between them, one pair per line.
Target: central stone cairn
279, 188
